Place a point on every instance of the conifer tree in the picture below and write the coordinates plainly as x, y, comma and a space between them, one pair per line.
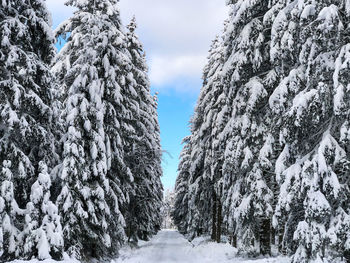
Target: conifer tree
181, 208
312, 110
204, 176
249, 79
27, 117
280, 145
43, 230
91, 68
10, 239
142, 148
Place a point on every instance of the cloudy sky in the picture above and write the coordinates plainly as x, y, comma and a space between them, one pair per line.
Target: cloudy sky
176, 35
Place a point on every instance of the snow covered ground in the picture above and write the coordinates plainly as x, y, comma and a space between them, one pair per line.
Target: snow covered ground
171, 247
65, 260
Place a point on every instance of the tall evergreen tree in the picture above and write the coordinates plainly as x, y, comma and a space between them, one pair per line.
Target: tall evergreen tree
92, 70
181, 208
204, 167
142, 148
27, 118
312, 112
249, 78
283, 103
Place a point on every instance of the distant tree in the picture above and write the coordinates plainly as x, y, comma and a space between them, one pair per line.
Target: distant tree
167, 209
180, 212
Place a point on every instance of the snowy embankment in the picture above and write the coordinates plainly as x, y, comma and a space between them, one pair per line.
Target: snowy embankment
65, 260
171, 247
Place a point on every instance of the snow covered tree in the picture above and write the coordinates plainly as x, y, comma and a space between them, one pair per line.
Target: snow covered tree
312, 112
91, 68
42, 231
10, 239
276, 133
232, 145
142, 146
27, 115
247, 78
167, 209
180, 212
204, 167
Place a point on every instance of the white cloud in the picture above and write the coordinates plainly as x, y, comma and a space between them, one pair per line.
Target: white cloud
176, 33
176, 25
166, 69
59, 11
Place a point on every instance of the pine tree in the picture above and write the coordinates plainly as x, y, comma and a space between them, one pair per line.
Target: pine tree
27, 117
203, 175
142, 147
43, 230
180, 212
312, 111
274, 132
248, 79
10, 239
92, 70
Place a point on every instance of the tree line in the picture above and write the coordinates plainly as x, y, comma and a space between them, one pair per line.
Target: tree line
267, 163
80, 154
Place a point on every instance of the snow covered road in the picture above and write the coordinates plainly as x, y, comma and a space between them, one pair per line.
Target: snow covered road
171, 247
168, 246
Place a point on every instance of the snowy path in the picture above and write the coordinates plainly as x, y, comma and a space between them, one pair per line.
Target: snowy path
168, 246
171, 247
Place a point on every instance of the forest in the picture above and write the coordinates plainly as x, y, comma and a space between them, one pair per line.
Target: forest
267, 161
264, 175
80, 155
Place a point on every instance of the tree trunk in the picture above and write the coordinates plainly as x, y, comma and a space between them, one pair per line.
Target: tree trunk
347, 256
265, 237
219, 221
274, 241
128, 234
234, 240
213, 228
281, 244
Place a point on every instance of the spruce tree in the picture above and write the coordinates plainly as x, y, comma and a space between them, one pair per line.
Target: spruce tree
204, 168
142, 147
280, 144
92, 70
180, 212
27, 118
43, 230
312, 111
249, 78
